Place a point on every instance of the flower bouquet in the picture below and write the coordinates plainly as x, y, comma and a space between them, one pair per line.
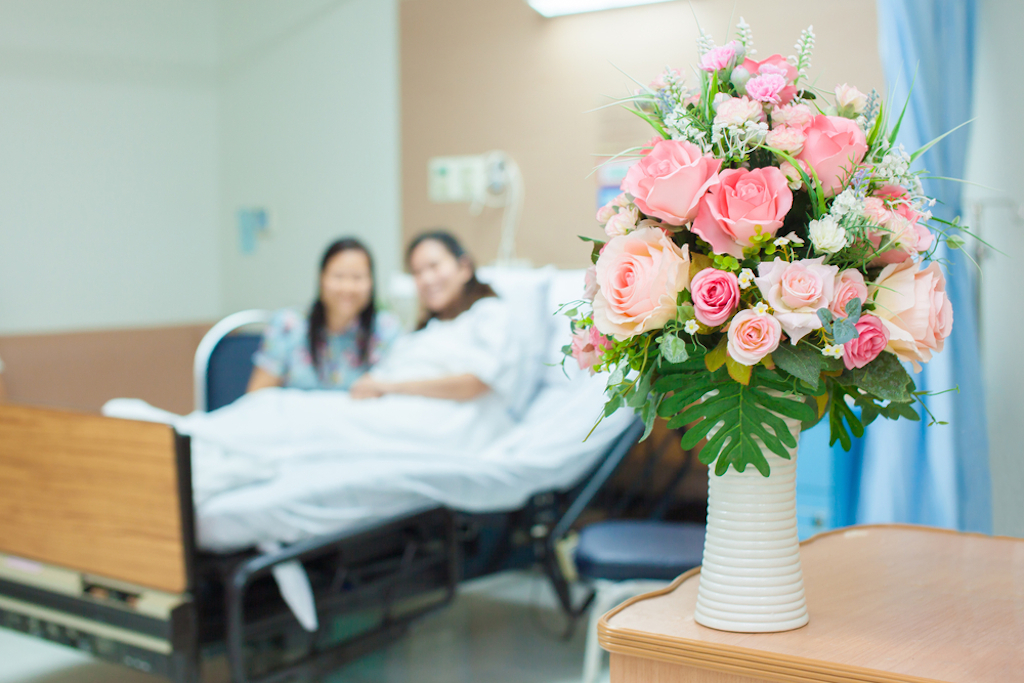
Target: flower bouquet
768, 263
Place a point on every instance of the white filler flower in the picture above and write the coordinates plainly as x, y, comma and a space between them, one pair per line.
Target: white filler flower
827, 235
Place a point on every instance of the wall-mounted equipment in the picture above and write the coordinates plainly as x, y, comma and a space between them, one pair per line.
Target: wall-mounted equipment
484, 180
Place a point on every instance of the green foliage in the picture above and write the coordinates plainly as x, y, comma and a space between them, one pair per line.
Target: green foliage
746, 416
805, 362
885, 378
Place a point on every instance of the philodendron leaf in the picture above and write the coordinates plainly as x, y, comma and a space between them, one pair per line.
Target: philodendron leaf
884, 377
738, 421
805, 361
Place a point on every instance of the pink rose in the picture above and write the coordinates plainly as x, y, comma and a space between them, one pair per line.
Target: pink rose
872, 340
890, 208
588, 345
849, 285
736, 111
669, 182
790, 140
590, 283
912, 304
752, 336
833, 149
794, 116
776, 64
719, 58
622, 222
796, 291
639, 277
716, 294
766, 88
741, 204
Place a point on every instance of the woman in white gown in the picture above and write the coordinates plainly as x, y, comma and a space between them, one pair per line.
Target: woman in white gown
445, 387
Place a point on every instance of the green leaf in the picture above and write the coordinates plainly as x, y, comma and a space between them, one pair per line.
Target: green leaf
928, 146
716, 357
825, 316
738, 371
853, 310
617, 376
673, 349
884, 377
805, 361
843, 331
614, 403
747, 419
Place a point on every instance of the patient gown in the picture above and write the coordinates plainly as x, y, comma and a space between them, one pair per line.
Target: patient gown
272, 425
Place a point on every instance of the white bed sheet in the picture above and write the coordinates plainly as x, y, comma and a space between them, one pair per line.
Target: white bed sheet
309, 497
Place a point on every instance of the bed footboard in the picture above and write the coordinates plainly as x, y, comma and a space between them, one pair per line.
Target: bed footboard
96, 538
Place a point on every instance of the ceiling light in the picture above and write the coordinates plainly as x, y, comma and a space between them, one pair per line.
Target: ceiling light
556, 8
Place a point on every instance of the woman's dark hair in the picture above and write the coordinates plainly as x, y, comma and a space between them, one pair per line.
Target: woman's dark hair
318, 314
473, 291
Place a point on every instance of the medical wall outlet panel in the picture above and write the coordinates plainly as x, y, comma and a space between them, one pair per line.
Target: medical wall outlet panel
456, 179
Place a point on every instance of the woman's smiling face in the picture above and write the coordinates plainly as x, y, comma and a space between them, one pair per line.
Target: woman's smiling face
346, 285
440, 277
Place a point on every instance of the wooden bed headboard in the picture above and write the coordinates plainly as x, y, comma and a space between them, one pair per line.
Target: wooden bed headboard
95, 494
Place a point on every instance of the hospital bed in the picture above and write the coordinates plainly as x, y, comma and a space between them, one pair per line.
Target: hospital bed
102, 549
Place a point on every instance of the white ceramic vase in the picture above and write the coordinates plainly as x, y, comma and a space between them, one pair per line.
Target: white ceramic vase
750, 579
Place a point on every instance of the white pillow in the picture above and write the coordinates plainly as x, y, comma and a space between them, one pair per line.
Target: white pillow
526, 292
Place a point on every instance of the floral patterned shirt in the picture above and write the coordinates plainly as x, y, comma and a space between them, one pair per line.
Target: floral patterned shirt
284, 351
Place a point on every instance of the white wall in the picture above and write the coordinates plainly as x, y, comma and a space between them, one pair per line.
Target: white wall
309, 129
997, 146
108, 163
132, 130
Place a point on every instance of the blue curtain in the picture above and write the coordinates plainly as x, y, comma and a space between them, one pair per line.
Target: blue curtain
910, 472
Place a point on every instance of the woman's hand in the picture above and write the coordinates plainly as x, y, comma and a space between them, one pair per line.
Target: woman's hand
368, 386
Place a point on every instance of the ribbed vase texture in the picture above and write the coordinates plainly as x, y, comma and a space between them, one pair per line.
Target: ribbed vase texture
750, 580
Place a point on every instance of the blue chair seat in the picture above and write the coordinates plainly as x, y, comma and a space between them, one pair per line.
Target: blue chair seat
626, 549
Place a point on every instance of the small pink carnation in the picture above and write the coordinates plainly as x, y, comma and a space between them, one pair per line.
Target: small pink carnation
736, 111
766, 87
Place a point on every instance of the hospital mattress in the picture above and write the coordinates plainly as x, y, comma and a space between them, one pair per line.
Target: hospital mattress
547, 451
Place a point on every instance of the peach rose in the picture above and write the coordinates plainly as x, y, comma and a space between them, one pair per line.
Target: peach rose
911, 302
871, 340
742, 203
796, 291
639, 278
833, 148
752, 336
588, 345
669, 182
716, 294
849, 285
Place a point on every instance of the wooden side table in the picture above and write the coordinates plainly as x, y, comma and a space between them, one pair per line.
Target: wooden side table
888, 604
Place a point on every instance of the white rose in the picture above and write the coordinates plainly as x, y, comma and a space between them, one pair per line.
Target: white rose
849, 100
623, 222
827, 235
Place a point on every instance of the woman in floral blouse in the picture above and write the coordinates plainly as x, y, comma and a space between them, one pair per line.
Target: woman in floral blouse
341, 338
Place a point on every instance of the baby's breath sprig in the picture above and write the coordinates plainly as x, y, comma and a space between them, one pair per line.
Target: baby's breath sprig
804, 48
745, 37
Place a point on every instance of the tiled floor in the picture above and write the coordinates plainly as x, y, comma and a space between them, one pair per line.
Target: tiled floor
499, 630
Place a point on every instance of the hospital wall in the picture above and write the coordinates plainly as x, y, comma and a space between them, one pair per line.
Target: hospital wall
109, 164
309, 130
478, 76
997, 211
133, 130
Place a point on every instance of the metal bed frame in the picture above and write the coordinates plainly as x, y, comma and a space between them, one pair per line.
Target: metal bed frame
369, 583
